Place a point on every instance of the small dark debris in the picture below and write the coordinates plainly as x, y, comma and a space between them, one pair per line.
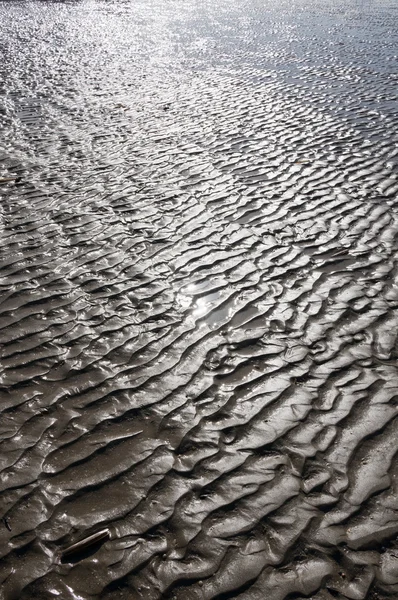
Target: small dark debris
9, 179
79, 550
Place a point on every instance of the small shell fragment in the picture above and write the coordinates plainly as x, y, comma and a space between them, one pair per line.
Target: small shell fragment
86, 543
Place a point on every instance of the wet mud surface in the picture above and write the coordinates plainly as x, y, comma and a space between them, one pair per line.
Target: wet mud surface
198, 212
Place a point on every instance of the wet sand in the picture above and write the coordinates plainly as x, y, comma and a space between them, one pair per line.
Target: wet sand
198, 300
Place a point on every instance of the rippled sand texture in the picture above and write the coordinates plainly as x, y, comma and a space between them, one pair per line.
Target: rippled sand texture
199, 299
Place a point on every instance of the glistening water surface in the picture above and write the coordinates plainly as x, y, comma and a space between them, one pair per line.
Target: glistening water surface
199, 293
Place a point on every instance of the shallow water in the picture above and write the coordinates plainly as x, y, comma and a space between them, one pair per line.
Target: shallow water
199, 293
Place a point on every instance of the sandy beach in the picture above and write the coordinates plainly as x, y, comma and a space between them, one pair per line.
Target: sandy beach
198, 300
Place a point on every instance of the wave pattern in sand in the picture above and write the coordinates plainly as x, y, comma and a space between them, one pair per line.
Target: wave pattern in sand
199, 299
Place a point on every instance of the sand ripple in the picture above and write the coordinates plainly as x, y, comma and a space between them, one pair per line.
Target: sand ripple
198, 301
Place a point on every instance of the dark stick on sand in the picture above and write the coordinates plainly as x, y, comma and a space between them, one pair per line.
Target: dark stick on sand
7, 179
86, 543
